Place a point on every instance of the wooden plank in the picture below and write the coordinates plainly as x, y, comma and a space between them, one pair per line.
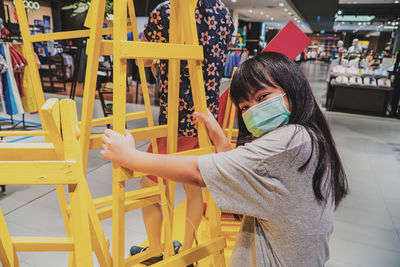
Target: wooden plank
39, 173
119, 112
22, 133
106, 212
235, 132
51, 114
132, 195
27, 151
129, 117
89, 91
34, 244
29, 54
194, 254
7, 253
79, 222
148, 253
144, 50
138, 134
65, 35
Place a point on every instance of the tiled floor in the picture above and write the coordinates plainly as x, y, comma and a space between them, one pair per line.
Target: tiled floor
367, 224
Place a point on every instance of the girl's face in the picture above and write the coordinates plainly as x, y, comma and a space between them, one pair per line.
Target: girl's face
262, 95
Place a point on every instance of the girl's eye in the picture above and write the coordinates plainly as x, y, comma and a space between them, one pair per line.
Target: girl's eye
244, 108
262, 97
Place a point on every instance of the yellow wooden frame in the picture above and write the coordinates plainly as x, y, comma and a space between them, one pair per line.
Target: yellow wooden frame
183, 45
64, 169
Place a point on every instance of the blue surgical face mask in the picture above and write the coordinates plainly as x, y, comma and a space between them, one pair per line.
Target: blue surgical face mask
266, 116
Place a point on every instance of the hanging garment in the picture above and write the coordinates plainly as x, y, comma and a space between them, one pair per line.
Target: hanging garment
3, 68
244, 57
19, 63
11, 95
28, 96
69, 65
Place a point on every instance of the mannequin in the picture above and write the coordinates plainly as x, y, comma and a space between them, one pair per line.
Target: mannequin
355, 48
339, 45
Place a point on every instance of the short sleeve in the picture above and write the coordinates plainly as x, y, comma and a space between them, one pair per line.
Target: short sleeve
157, 27
240, 180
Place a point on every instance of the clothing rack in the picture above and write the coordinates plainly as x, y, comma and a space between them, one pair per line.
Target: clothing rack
13, 40
237, 49
77, 51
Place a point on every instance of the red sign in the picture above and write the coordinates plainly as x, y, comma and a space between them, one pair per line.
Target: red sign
290, 41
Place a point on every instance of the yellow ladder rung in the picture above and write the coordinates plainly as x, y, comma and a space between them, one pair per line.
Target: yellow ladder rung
132, 195
22, 133
31, 244
129, 196
105, 213
27, 151
135, 49
44, 37
148, 253
129, 117
138, 134
41, 172
194, 254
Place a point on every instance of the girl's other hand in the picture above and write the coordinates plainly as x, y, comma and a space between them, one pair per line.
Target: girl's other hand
215, 132
118, 148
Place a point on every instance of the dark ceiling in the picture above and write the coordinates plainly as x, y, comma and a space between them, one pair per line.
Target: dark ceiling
320, 14
382, 12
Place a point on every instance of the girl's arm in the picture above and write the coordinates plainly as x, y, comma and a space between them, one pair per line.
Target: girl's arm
183, 169
215, 131
121, 150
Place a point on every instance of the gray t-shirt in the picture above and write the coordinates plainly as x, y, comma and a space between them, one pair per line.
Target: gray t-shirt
283, 224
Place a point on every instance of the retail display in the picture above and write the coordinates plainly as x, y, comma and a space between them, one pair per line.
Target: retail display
354, 77
234, 58
12, 78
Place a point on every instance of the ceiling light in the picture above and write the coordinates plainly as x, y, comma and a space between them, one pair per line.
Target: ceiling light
396, 2
233, 1
272, 18
251, 10
267, 16
340, 12
290, 13
285, 9
359, 23
262, 13
281, 4
355, 18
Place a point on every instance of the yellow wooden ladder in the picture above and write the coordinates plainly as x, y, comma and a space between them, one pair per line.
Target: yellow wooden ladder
56, 163
183, 45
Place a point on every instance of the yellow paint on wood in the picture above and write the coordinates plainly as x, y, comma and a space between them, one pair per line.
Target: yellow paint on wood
35, 244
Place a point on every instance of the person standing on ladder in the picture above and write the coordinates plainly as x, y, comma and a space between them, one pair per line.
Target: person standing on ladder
215, 27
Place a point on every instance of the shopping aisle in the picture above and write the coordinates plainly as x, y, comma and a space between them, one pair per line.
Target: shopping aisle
367, 225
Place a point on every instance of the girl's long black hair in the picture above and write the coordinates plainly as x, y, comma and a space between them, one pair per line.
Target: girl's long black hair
272, 69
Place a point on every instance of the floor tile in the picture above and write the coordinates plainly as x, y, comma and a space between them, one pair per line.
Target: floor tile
371, 236
362, 255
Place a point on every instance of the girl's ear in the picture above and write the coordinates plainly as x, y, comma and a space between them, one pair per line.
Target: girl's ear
244, 134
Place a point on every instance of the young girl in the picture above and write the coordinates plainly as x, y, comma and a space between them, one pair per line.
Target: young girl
286, 179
